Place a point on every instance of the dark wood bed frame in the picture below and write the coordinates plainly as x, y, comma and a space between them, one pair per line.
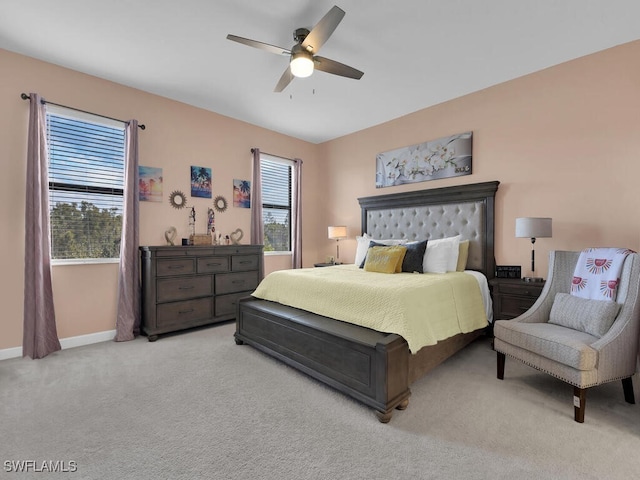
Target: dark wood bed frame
374, 368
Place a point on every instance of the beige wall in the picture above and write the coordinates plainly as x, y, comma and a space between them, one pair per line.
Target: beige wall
176, 137
563, 142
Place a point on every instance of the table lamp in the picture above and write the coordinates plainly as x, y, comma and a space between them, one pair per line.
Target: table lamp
336, 233
533, 227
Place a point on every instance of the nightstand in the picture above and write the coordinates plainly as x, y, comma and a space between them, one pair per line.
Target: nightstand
512, 297
323, 264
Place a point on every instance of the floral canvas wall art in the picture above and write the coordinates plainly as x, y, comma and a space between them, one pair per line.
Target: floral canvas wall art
242, 193
201, 182
441, 158
150, 184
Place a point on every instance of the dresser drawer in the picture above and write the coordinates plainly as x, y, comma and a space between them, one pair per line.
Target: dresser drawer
181, 313
242, 263
175, 266
226, 304
236, 282
213, 264
521, 289
170, 289
513, 306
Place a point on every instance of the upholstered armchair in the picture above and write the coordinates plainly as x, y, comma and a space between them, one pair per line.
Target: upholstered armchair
573, 355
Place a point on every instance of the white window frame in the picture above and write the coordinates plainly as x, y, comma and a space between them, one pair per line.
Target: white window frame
290, 164
73, 114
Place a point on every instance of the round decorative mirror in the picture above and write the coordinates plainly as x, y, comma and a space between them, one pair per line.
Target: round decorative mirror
177, 199
220, 203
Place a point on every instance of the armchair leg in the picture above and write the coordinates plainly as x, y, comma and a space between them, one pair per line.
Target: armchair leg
500, 365
579, 403
627, 387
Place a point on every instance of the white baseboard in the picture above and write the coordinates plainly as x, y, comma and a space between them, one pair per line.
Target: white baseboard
70, 342
10, 353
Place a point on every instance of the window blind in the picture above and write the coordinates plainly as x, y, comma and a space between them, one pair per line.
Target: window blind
276, 204
86, 182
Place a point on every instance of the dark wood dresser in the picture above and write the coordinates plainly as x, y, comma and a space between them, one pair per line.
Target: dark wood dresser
512, 297
189, 286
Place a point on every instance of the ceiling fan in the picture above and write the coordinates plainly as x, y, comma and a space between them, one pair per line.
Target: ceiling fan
303, 54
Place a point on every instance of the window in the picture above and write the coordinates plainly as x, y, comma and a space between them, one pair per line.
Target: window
86, 182
276, 203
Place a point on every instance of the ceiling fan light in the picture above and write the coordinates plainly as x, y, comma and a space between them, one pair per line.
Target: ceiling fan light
301, 65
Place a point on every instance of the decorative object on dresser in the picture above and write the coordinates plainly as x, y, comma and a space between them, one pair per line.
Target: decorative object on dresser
200, 239
170, 235
236, 236
336, 233
532, 227
513, 296
184, 287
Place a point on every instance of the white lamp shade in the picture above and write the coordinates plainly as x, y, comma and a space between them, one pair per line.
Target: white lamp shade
533, 227
339, 231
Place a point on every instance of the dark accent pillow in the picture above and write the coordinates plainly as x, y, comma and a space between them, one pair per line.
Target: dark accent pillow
414, 258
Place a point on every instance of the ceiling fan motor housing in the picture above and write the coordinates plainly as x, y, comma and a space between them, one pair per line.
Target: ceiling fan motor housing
300, 34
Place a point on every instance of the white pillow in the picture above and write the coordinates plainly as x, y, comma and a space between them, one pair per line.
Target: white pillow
361, 249
441, 255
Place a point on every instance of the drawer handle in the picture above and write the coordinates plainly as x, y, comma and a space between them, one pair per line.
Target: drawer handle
176, 267
245, 262
235, 282
213, 264
188, 287
182, 312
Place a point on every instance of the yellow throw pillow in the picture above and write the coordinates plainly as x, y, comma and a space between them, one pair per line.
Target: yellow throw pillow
463, 255
385, 259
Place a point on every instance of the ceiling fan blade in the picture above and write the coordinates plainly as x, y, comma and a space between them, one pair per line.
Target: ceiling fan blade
323, 29
285, 80
337, 68
260, 45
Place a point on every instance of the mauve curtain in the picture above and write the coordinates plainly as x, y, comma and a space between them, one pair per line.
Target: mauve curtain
128, 320
257, 228
40, 336
296, 214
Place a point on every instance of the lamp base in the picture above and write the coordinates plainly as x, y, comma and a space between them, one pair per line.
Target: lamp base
532, 279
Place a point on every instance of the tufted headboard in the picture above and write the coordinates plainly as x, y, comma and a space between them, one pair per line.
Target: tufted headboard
467, 210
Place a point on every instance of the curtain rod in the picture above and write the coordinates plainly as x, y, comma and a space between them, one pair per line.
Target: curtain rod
24, 96
273, 155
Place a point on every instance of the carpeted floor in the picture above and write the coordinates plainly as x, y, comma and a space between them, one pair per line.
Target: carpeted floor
197, 406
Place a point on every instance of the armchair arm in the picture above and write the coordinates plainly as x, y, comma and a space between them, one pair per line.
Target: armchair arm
618, 348
561, 268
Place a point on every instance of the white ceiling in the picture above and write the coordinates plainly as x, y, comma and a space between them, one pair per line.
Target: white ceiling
414, 53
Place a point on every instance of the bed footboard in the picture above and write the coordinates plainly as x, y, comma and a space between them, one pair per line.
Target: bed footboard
370, 366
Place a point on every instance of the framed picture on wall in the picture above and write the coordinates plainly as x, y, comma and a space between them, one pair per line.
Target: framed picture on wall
441, 158
242, 193
200, 182
150, 184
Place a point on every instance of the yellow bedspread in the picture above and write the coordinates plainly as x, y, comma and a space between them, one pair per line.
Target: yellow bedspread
422, 308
